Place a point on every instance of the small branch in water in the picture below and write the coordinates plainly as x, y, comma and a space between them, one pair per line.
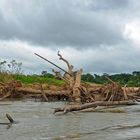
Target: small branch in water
11, 121
10, 118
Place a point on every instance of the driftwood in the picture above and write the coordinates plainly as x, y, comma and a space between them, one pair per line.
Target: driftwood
11, 121
43, 94
71, 108
69, 77
73, 79
24, 90
70, 67
8, 94
110, 92
113, 92
8, 89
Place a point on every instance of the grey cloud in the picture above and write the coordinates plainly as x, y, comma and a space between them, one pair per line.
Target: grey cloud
95, 25
111, 59
61, 23
118, 60
109, 4
5, 29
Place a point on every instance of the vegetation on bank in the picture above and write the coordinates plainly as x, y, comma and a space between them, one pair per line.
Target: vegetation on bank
31, 79
130, 80
13, 71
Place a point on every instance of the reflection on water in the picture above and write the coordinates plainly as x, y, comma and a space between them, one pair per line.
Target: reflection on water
37, 122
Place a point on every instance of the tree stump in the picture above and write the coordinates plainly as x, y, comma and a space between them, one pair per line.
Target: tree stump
76, 87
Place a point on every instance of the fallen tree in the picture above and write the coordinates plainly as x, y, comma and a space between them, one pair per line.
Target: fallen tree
71, 108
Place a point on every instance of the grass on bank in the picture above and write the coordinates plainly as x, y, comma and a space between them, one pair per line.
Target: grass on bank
133, 81
31, 79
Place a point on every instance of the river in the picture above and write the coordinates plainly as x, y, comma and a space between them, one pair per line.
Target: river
37, 122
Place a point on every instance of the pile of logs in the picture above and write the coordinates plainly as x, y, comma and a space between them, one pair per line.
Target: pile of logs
7, 90
109, 92
108, 95
85, 96
113, 92
79, 93
15, 90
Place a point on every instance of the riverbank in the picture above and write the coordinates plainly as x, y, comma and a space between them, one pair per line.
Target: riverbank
15, 90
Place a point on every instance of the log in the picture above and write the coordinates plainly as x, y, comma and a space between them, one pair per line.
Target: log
47, 92
47, 95
43, 94
125, 93
8, 94
77, 84
91, 105
11, 121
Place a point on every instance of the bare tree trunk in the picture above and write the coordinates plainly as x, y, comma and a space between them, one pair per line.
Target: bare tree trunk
76, 87
43, 94
125, 94
68, 77
91, 105
70, 67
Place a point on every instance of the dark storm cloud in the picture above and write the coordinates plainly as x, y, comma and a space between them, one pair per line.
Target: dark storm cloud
96, 26
6, 31
62, 23
109, 4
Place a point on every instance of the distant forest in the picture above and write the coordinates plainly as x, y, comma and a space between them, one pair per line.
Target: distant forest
123, 78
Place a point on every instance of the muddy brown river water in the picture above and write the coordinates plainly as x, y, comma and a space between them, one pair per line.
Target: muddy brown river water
37, 122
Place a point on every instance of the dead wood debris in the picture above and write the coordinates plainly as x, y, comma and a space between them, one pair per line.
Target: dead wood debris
113, 92
109, 92
88, 96
7, 90
108, 95
70, 108
11, 121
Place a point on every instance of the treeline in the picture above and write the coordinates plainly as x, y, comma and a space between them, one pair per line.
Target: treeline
13, 69
123, 78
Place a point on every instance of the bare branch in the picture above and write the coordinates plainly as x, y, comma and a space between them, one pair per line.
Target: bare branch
70, 67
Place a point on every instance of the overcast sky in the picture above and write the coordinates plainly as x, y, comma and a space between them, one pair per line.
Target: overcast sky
100, 36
